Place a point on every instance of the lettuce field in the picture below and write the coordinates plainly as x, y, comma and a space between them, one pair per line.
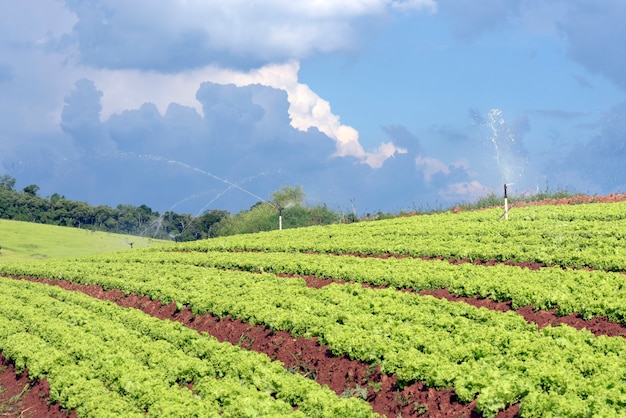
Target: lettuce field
452, 314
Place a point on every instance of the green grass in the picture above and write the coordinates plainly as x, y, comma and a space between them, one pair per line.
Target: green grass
22, 241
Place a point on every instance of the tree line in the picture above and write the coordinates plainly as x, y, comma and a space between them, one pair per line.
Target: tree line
27, 205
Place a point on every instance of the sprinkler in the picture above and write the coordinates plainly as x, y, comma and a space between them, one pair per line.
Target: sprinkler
506, 201
280, 217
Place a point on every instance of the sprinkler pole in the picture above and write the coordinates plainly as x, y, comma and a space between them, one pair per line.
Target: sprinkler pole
280, 218
506, 204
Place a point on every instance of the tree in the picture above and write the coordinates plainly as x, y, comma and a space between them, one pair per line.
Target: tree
56, 198
259, 218
204, 223
289, 196
7, 182
31, 189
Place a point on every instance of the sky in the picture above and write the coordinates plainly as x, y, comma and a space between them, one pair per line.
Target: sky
369, 105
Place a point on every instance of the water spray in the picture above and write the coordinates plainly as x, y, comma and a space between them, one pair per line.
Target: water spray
230, 185
234, 185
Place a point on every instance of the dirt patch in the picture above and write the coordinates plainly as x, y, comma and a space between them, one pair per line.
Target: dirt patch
22, 397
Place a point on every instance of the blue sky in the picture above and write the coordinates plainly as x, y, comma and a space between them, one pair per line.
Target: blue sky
370, 105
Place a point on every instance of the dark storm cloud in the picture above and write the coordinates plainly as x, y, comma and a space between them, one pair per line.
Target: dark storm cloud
450, 134
597, 164
595, 33
107, 40
181, 35
81, 117
402, 137
226, 107
244, 136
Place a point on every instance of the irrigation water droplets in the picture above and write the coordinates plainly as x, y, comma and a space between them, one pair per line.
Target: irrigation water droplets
509, 153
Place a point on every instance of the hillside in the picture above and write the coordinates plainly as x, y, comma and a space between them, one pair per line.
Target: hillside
23, 241
425, 315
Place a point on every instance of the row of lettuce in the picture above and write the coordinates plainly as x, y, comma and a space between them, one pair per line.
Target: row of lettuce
590, 235
103, 360
591, 293
496, 358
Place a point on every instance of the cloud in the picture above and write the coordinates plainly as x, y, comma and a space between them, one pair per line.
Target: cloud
112, 102
465, 191
81, 116
594, 32
597, 164
407, 5
450, 134
451, 182
186, 34
244, 137
47, 21
400, 135
129, 89
186, 161
582, 81
431, 166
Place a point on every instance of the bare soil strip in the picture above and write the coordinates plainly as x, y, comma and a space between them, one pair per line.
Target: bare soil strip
22, 397
598, 326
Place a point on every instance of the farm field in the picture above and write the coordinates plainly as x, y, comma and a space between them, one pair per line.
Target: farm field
26, 241
455, 314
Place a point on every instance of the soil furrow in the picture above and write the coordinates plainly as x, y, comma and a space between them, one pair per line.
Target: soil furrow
305, 356
344, 376
22, 397
598, 326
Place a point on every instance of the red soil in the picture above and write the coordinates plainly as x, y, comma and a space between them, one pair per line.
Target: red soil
308, 358
543, 318
21, 397
305, 356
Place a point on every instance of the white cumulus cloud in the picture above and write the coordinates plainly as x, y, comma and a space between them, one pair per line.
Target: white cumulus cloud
468, 191
129, 89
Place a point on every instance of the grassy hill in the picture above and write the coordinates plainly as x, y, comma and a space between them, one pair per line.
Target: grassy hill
22, 241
